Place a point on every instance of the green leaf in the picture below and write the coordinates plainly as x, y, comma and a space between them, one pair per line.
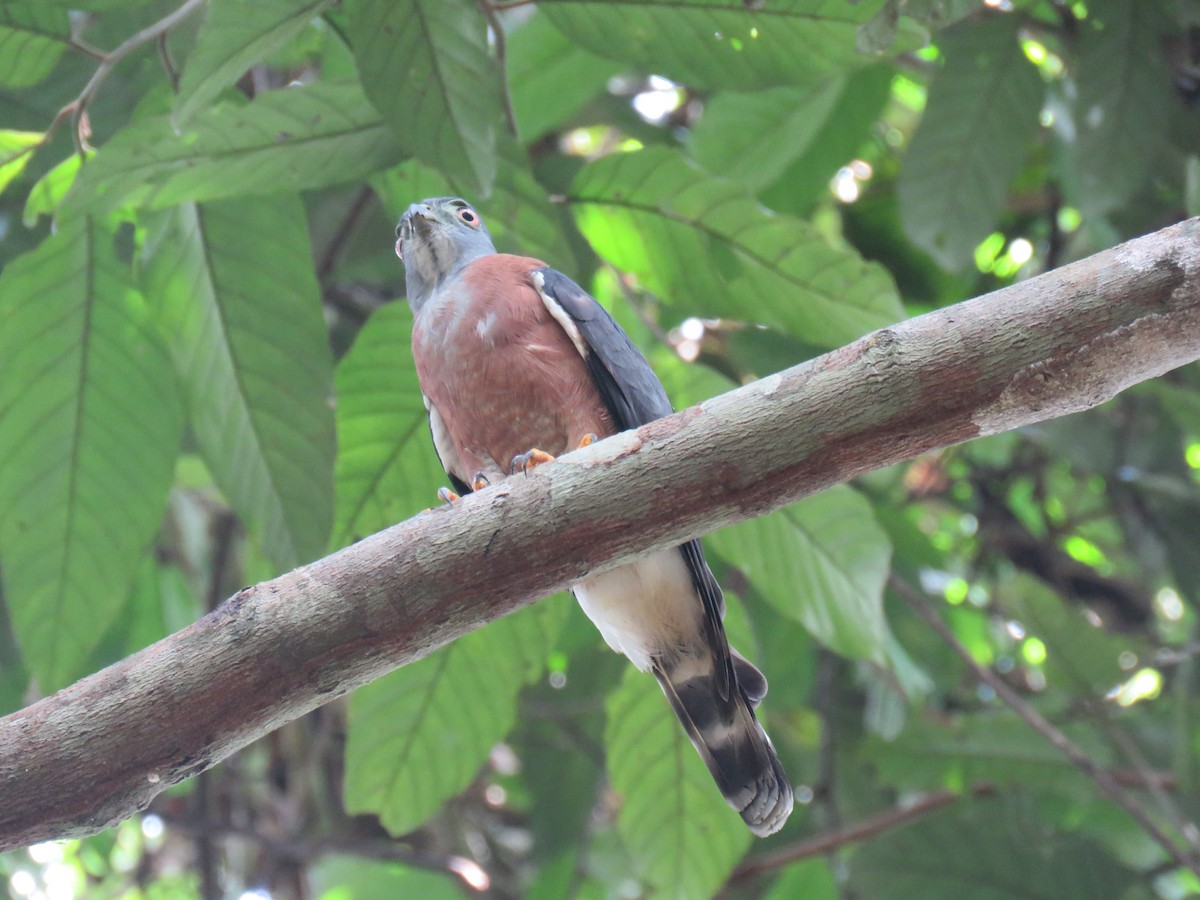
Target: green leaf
235, 35
425, 66
985, 850
235, 294
386, 468
840, 137
992, 747
940, 13
32, 38
823, 562
704, 245
335, 876
753, 137
810, 879
717, 44
980, 119
673, 819
90, 424
418, 736
286, 140
1120, 110
50, 189
1079, 652
16, 147
550, 77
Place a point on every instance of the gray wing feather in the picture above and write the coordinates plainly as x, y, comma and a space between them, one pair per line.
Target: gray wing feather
629, 386
634, 396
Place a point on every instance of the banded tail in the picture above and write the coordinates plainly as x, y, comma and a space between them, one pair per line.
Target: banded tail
727, 735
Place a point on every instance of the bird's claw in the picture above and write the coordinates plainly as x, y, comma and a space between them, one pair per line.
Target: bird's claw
527, 461
479, 481
587, 440
447, 496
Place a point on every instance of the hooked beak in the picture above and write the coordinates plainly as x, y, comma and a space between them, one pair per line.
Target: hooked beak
417, 220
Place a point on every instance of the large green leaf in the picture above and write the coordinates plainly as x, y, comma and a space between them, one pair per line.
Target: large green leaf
32, 38
1120, 107
719, 44
673, 819
823, 562
753, 136
235, 35
986, 850
289, 139
425, 66
980, 118
90, 423
995, 747
550, 76
703, 244
236, 296
842, 135
386, 467
418, 736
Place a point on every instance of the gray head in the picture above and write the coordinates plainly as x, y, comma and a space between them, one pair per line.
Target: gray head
436, 238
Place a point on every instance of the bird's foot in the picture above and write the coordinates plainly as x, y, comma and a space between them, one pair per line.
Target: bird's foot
526, 461
586, 441
478, 482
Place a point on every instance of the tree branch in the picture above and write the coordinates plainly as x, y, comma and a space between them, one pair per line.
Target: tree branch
837, 838
99, 750
108, 61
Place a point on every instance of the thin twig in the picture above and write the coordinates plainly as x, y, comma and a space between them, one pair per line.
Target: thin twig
1104, 780
639, 308
78, 107
206, 852
825, 785
341, 235
824, 844
868, 828
84, 47
164, 56
1138, 760
490, 12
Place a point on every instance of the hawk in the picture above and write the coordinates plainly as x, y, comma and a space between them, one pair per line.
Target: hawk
518, 364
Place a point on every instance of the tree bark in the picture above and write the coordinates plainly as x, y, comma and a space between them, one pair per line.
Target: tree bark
98, 751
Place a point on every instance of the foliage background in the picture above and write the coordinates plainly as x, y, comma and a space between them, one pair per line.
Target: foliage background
745, 185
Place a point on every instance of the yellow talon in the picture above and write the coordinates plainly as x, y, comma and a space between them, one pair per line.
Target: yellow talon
527, 461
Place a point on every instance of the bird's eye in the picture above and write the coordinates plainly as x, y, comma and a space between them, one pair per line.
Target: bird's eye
469, 217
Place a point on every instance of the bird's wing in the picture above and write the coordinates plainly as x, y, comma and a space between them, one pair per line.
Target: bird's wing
634, 396
443, 445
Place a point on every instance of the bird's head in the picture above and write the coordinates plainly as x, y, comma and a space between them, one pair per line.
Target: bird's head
436, 238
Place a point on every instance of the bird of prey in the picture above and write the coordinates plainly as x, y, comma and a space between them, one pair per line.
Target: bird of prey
518, 364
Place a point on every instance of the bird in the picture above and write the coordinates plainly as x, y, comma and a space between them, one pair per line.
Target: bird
517, 365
